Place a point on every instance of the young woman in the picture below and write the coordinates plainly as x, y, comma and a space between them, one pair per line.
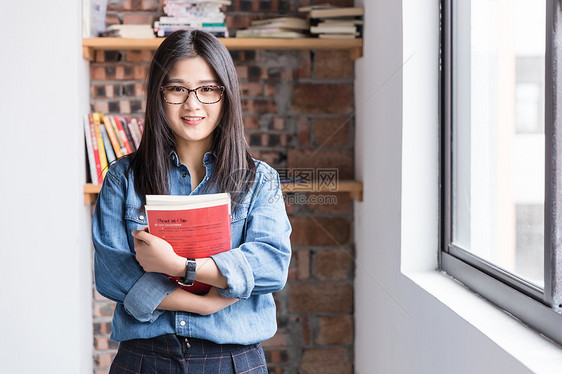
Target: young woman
193, 143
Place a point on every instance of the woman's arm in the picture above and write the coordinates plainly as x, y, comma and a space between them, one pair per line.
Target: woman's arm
183, 301
157, 255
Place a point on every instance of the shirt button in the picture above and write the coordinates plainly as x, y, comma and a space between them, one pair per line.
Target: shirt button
207, 178
184, 175
182, 323
141, 217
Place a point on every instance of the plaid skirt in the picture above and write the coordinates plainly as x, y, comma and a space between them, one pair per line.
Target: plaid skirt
173, 354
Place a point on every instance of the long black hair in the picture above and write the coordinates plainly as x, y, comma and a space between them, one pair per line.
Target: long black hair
234, 169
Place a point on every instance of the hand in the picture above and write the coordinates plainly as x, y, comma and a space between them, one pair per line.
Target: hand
215, 302
157, 255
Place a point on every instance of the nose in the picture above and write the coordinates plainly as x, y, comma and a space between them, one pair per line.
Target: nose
192, 101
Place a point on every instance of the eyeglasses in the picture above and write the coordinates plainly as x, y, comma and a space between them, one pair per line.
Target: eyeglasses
180, 94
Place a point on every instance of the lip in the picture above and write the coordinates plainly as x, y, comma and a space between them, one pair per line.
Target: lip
192, 120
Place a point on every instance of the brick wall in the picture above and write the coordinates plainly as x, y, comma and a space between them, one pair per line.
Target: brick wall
298, 109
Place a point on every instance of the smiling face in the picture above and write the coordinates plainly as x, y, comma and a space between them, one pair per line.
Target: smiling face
192, 122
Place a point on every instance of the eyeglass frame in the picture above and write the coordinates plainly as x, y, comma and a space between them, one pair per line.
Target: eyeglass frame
189, 91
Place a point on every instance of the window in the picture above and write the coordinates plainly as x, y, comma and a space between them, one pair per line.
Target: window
500, 221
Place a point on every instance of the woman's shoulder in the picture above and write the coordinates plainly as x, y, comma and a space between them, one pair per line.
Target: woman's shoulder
119, 170
264, 171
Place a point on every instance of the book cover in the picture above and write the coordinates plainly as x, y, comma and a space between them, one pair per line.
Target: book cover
101, 148
112, 137
90, 149
196, 226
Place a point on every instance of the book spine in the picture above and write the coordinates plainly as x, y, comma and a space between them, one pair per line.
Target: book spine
134, 130
122, 147
122, 134
90, 150
112, 137
101, 148
127, 133
99, 175
107, 144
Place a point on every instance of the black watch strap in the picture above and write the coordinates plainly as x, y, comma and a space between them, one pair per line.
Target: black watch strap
190, 268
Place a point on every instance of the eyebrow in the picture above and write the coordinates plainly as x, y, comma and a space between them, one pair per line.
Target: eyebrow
177, 80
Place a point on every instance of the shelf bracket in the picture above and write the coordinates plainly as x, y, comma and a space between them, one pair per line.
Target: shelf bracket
355, 53
88, 53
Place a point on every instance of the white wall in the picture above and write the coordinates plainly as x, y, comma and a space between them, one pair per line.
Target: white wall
45, 266
409, 317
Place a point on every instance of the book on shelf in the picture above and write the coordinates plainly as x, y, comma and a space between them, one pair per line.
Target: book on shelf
290, 23
129, 31
335, 22
196, 226
101, 147
90, 137
336, 12
110, 154
107, 139
203, 15
269, 33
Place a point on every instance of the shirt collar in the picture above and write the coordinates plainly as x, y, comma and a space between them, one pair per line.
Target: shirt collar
208, 159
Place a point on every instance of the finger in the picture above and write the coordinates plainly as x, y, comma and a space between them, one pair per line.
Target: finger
141, 235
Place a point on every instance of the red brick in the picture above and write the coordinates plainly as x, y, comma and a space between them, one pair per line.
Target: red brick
150, 5
251, 88
143, 55
340, 159
237, 22
101, 107
304, 70
333, 64
325, 361
140, 72
242, 72
278, 340
138, 18
303, 264
98, 73
270, 89
101, 343
104, 309
251, 122
306, 333
303, 132
278, 123
335, 330
320, 231
103, 359
140, 89
325, 98
331, 132
277, 356
261, 106
343, 203
112, 19
119, 5
333, 264
320, 297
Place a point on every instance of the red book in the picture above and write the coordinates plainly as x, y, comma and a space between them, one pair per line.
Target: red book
122, 134
196, 226
99, 178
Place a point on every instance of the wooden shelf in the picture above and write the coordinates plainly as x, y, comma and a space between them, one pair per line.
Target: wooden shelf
354, 188
355, 46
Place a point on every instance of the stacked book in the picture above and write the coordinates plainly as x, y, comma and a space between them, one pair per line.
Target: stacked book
280, 27
107, 139
129, 31
334, 22
192, 14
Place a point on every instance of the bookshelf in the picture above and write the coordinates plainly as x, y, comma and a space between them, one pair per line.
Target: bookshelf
355, 46
354, 188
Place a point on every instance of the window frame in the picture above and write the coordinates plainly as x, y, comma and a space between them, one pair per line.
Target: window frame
534, 306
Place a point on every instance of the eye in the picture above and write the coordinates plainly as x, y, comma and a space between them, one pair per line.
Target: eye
178, 89
209, 88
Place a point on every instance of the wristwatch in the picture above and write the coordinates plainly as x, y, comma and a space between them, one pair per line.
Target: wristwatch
190, 268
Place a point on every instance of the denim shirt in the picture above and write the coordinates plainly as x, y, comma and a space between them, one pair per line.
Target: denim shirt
256, 266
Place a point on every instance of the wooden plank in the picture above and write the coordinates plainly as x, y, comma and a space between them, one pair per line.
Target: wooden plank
354, 188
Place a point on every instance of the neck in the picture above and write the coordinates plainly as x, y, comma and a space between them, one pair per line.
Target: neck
191, 154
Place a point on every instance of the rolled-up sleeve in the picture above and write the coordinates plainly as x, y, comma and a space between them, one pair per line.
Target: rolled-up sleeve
118, 275
260, 264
